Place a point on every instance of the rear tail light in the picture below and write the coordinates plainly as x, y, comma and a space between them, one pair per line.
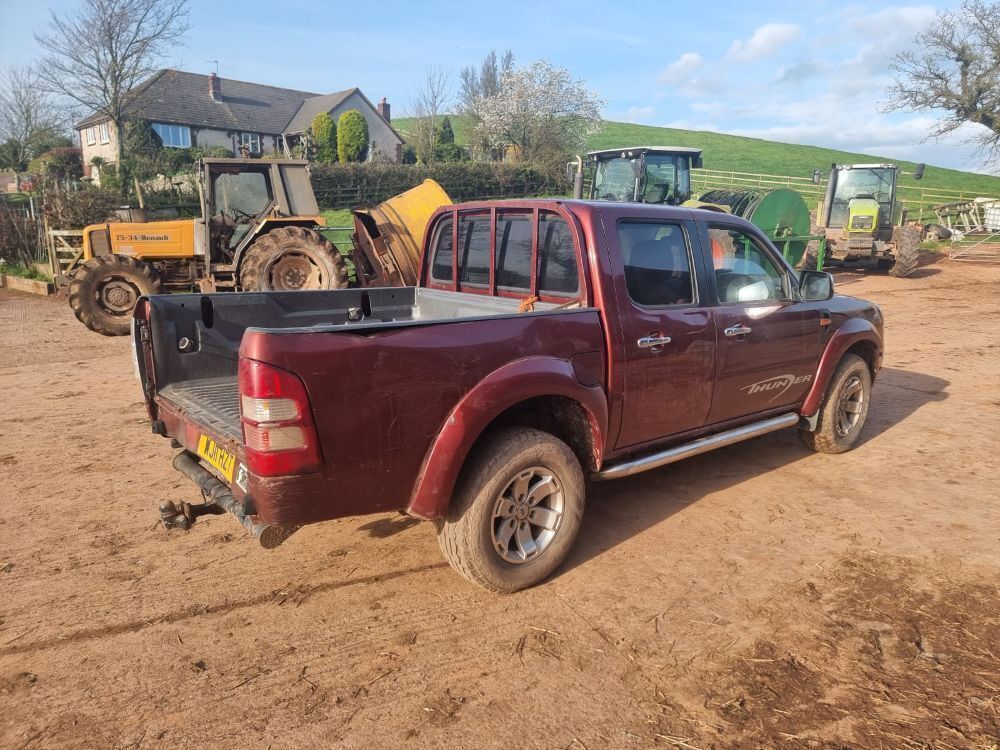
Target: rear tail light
278, 430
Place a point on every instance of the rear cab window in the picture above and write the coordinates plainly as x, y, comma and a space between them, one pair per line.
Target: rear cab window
659, 268
506, 252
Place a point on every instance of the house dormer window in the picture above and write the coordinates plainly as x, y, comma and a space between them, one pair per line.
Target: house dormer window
173, 136
251, 141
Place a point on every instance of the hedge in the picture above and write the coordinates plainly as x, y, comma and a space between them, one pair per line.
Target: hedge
352, 136
353, 185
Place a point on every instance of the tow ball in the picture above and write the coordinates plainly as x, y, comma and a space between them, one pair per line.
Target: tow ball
183, 515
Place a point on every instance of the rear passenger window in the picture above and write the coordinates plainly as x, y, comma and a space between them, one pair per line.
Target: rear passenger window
444, 256
657, 263
513, 238
557, 269
474, 249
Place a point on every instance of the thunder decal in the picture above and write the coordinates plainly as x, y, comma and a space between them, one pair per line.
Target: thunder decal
779, 384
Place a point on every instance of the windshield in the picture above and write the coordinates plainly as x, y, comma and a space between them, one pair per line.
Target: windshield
240, 195
861, 182
665, 179
614, 180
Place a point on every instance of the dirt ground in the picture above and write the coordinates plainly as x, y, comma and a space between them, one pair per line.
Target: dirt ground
759, 596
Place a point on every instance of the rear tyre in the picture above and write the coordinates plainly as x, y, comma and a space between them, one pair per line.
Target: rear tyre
290, 259
516, 510
845, 406
907, 251
104, 290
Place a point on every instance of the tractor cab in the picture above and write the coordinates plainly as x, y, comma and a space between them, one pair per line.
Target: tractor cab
644, 174
238, 195
861, 199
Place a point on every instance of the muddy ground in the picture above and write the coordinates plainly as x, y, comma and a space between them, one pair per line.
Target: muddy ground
759, 596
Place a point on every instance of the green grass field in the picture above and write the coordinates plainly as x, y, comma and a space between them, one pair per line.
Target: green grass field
740, 154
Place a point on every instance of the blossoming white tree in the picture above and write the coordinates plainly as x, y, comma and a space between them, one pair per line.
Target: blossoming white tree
540, 112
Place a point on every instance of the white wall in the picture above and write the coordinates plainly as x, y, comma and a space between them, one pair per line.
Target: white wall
378, 131
107, 151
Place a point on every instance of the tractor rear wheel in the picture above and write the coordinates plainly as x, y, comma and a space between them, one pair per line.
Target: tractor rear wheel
105, 289
906, 250
290, 259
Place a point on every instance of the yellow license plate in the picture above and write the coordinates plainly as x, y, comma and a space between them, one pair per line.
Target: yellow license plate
221, 459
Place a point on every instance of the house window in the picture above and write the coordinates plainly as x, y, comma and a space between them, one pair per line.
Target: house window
105, 133
173, 136
91, 136
252, 141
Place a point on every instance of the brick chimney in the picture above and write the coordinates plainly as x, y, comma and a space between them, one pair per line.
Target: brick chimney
383, 109
214, 87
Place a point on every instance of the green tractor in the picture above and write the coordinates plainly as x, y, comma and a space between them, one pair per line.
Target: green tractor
863, 221
638, 174
662, 175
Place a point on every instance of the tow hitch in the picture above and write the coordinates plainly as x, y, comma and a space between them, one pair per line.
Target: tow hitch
218, 499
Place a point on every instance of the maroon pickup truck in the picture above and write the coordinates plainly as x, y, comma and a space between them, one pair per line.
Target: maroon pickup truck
549, 342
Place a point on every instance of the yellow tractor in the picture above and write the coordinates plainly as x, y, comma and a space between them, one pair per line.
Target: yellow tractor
257, 231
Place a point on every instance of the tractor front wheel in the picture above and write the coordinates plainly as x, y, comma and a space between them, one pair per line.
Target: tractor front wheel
290, 259
105, 289
906, 250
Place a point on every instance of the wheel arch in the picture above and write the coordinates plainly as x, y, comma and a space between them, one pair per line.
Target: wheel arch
856, 336
539, 392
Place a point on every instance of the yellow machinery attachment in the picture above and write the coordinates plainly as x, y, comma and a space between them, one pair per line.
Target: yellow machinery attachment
390, 236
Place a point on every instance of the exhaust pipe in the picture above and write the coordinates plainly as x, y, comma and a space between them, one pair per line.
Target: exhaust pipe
219, 494
694, 448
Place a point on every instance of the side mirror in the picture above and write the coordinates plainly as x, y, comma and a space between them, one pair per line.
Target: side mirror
918, 173
817, 177
815, 286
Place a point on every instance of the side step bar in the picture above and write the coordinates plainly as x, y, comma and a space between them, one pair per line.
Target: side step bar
655, 460
217, 493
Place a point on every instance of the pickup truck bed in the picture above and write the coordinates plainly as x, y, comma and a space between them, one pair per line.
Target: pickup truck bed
202, 381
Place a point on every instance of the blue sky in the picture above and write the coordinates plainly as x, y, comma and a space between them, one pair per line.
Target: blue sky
806, 72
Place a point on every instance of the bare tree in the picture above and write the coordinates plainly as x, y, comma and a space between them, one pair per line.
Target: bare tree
477, 85
430, 102
99, 54
955, 69
29, 118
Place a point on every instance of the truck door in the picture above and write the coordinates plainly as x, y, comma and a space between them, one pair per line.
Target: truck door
769, 342
669, 334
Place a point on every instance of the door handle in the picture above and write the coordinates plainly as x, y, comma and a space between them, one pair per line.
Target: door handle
738, 330
653, 342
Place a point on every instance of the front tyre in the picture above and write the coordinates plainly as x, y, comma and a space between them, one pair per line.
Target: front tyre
845, 408
516, 510
906, 241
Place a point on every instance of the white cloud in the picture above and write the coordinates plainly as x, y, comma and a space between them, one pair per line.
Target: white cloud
639, 114
680, 70
765, 41
799, 72
691, 77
